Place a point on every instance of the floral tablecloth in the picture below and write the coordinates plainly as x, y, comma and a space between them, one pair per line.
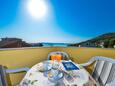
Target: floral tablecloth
36, 78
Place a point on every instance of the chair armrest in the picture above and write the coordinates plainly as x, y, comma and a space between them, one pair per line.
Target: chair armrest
24, 69
89, 62
86, 64
96, 58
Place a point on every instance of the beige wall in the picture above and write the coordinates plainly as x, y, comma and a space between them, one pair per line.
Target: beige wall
17, 58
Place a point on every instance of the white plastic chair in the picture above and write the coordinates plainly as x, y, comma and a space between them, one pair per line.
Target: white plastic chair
4, 71
104, 69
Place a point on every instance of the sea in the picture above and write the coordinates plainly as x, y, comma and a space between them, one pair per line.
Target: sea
55, 44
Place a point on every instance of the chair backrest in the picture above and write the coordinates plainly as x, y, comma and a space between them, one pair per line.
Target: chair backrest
3, 80
64, 55
104, 70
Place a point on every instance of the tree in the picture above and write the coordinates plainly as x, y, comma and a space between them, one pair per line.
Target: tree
111, 43
106, 43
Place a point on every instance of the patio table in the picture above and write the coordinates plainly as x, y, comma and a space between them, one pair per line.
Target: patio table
79, 77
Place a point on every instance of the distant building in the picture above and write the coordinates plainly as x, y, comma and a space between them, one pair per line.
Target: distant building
86, 44
79, 45
113, 46
102, 44
13, 43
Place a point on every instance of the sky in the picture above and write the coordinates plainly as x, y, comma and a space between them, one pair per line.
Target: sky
67, 21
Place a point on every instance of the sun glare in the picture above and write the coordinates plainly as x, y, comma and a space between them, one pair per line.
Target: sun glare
37, 8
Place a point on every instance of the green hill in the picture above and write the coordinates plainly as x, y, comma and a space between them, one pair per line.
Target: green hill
106, 40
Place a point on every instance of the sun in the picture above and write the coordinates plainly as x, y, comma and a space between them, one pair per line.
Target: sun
37, 8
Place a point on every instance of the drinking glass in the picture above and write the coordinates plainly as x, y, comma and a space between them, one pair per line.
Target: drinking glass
55, 64
55, 75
